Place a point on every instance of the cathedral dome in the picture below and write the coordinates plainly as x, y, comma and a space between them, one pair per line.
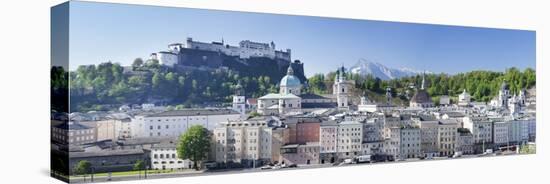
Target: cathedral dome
290, 80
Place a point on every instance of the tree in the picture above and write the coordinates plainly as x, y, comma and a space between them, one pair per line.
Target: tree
254, 114
83, 167
137, 63
139, 166
194, 145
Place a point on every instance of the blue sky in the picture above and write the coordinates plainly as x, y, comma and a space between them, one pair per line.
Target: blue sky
120, 33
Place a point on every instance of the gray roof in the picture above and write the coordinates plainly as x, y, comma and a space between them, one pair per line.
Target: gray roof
329, 123
165, 144
72, 126
312, 96
144, 140
194, 112
319, 105
454, 114
106, 153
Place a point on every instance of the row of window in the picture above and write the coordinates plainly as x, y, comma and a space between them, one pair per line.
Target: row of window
156, 156
174, 120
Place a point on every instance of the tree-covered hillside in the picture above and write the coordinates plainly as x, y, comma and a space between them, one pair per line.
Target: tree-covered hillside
482, 85
108, 85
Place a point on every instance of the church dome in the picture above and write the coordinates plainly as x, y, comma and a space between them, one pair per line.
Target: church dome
290, 80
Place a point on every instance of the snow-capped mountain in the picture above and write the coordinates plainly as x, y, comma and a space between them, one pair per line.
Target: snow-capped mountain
364, 67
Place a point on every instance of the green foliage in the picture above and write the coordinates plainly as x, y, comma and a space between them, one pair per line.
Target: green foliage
106, 86
138, 62
93, 88
528, 149
254, 114
59, 87
139, 165
83, 167
482, 85
194, 145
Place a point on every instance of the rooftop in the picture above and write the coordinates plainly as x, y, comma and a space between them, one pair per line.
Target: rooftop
279, 96
71, 125
106, 153
194, 112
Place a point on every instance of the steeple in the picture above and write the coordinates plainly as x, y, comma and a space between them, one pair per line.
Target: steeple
423, 81
388, 96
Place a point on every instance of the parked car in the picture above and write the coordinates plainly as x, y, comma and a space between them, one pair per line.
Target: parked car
363, 159
457, 154
290, 166
265, 167
348, 161
382, 158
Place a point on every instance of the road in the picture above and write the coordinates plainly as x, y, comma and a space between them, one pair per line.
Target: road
249, 170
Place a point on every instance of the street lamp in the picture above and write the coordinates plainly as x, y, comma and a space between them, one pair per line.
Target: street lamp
146, 168
92, 176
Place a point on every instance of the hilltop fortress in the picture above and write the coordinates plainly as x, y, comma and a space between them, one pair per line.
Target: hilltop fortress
248, 57
246, 49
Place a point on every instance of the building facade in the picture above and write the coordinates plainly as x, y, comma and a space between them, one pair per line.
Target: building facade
174, 123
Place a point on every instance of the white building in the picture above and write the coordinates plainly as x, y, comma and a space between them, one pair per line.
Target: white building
164, 156
366, 106
464, 98
248, 142
167, 58
174, 123
482, 130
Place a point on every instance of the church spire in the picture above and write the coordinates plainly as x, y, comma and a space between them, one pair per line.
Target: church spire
423, 81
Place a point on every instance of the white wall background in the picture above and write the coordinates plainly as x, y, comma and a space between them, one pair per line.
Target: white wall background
24, 92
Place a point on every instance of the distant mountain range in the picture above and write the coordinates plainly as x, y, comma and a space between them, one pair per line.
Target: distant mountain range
364, 67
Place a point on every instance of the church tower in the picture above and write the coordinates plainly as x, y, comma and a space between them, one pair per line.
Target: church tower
239, 100
388, 96
341, 89
503, 95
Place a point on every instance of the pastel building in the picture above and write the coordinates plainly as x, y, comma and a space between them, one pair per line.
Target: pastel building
247, 142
